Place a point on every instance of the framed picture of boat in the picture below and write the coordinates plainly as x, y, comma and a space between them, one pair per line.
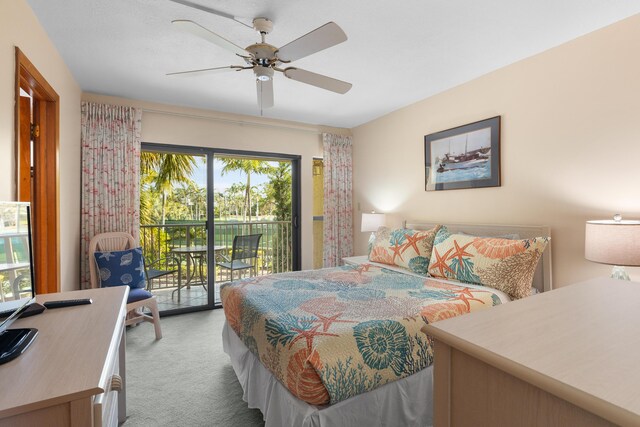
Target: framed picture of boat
463, 157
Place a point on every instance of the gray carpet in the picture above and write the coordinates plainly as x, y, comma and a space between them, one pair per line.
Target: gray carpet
185, 379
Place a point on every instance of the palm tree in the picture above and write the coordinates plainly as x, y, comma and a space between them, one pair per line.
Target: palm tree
278, 190
170, 169
220, 206
234, 196
147, 198
248, 166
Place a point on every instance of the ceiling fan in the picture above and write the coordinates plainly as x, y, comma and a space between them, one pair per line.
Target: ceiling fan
265, 59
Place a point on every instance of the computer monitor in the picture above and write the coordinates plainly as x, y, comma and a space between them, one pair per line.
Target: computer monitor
16, 266
17, 284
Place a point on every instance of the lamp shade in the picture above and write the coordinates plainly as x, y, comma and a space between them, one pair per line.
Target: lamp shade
613, 242
372, 221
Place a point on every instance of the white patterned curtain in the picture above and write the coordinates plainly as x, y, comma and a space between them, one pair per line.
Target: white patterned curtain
338, 188
110, 137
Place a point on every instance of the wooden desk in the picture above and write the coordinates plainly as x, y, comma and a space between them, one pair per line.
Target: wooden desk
69, 374
568, 357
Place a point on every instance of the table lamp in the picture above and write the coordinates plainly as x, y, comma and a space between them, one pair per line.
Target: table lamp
615, 242
371, 222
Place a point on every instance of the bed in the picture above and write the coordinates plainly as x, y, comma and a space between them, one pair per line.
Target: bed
346, 346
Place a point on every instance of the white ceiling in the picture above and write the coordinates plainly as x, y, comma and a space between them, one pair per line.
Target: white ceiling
397, 52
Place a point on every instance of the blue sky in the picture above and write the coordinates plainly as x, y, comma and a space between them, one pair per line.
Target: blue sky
222, 182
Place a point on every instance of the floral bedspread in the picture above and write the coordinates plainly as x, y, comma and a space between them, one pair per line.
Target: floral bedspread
331, 334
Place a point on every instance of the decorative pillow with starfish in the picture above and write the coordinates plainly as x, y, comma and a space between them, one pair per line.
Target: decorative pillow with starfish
504, 264
410, 249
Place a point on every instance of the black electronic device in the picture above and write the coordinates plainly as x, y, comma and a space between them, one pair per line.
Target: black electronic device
31, 310
15, 229
13, 342
67, 303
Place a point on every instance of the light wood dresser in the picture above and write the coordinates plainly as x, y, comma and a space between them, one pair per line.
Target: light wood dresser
73, 374
569, 357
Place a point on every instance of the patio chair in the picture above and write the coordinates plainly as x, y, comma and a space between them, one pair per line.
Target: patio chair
244, 254
129, 272
154, 270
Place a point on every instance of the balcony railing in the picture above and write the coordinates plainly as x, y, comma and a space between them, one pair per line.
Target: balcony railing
158, 241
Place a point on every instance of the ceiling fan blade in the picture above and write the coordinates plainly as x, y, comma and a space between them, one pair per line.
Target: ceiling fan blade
317, 80
210, 10
330, 34
210, 36
265, 93
207, 71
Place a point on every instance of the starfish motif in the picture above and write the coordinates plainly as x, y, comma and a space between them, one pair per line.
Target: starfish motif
465, 296
413, 240
460, 252
327, 321
467, 291
140, 268
106, 255
441, 263
363, 268
396, 251
308, 335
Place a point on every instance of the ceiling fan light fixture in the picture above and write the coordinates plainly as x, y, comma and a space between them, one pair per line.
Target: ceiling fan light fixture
263, 25
263, 74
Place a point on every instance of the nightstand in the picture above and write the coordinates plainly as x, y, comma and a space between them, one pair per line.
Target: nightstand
355, 260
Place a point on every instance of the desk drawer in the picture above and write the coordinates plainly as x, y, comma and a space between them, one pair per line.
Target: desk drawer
105, 405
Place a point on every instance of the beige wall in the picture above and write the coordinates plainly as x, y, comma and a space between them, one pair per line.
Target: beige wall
201, 128
570, 147
19, 27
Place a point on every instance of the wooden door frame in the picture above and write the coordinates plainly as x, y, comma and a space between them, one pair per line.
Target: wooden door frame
46, 177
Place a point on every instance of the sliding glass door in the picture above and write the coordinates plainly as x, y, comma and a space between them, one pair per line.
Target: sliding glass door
173, 226
253, 196
196, 202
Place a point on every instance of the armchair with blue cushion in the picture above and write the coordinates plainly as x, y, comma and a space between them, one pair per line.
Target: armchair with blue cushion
115, 261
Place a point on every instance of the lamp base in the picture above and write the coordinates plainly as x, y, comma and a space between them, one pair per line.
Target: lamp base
618, 272
372, 239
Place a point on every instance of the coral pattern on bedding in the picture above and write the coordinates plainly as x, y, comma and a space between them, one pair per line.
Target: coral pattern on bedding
504, 264
331, 334
410, 249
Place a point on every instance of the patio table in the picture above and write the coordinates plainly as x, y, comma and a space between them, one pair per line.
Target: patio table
196, 255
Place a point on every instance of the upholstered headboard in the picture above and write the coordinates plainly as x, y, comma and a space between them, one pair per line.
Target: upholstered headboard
542, 277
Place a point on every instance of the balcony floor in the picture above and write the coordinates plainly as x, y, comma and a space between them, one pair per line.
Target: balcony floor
196, 296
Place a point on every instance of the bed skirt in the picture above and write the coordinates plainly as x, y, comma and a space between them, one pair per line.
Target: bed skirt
406, 402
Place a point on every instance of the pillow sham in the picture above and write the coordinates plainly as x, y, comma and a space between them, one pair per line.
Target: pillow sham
410, 249
504, 264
